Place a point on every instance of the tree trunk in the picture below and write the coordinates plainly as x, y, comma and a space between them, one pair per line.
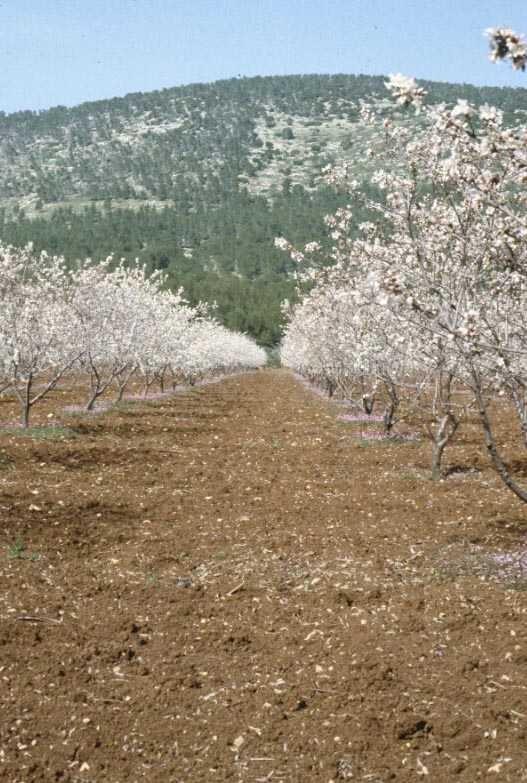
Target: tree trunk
391, 410
437, 458
147, 386
93, 399
389, 418
368, 402
26, 407
446, 431
521, 409
492, 449
25, 403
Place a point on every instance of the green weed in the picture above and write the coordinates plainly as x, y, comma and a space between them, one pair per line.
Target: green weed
18, 551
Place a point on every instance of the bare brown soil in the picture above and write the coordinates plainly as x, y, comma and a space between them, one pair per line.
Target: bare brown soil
229, 586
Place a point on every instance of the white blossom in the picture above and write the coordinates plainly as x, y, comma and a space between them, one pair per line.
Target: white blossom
405, 90
505, 44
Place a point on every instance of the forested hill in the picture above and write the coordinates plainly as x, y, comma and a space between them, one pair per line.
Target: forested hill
197, 180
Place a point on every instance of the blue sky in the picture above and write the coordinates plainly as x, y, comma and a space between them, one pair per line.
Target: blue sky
68, 51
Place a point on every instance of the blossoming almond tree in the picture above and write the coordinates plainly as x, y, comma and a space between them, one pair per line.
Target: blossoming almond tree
113, 310
164, 336
37, 344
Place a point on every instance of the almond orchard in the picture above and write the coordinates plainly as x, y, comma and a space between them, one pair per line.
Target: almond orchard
310, 573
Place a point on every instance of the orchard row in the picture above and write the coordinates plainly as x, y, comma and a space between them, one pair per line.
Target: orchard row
427, 301
109, 324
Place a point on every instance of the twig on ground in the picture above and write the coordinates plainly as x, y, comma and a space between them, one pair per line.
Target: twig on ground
235, 589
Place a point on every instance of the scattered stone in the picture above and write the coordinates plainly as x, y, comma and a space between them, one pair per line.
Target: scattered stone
345, 768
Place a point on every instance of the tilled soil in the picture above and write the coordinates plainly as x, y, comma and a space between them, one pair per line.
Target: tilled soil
229, 585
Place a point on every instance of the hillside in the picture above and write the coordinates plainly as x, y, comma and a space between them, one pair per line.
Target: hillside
197, 180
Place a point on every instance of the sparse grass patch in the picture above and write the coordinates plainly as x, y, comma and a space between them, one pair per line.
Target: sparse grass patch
41, 433
151, 580
125, 405
6, 462
366, 442
410, 474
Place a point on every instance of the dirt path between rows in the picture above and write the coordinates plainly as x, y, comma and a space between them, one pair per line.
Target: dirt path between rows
229, 586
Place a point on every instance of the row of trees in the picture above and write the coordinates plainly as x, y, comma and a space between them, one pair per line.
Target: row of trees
430, 299
107, 322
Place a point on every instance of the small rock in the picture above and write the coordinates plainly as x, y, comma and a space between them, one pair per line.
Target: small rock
345, 768
301, 705
419, 727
